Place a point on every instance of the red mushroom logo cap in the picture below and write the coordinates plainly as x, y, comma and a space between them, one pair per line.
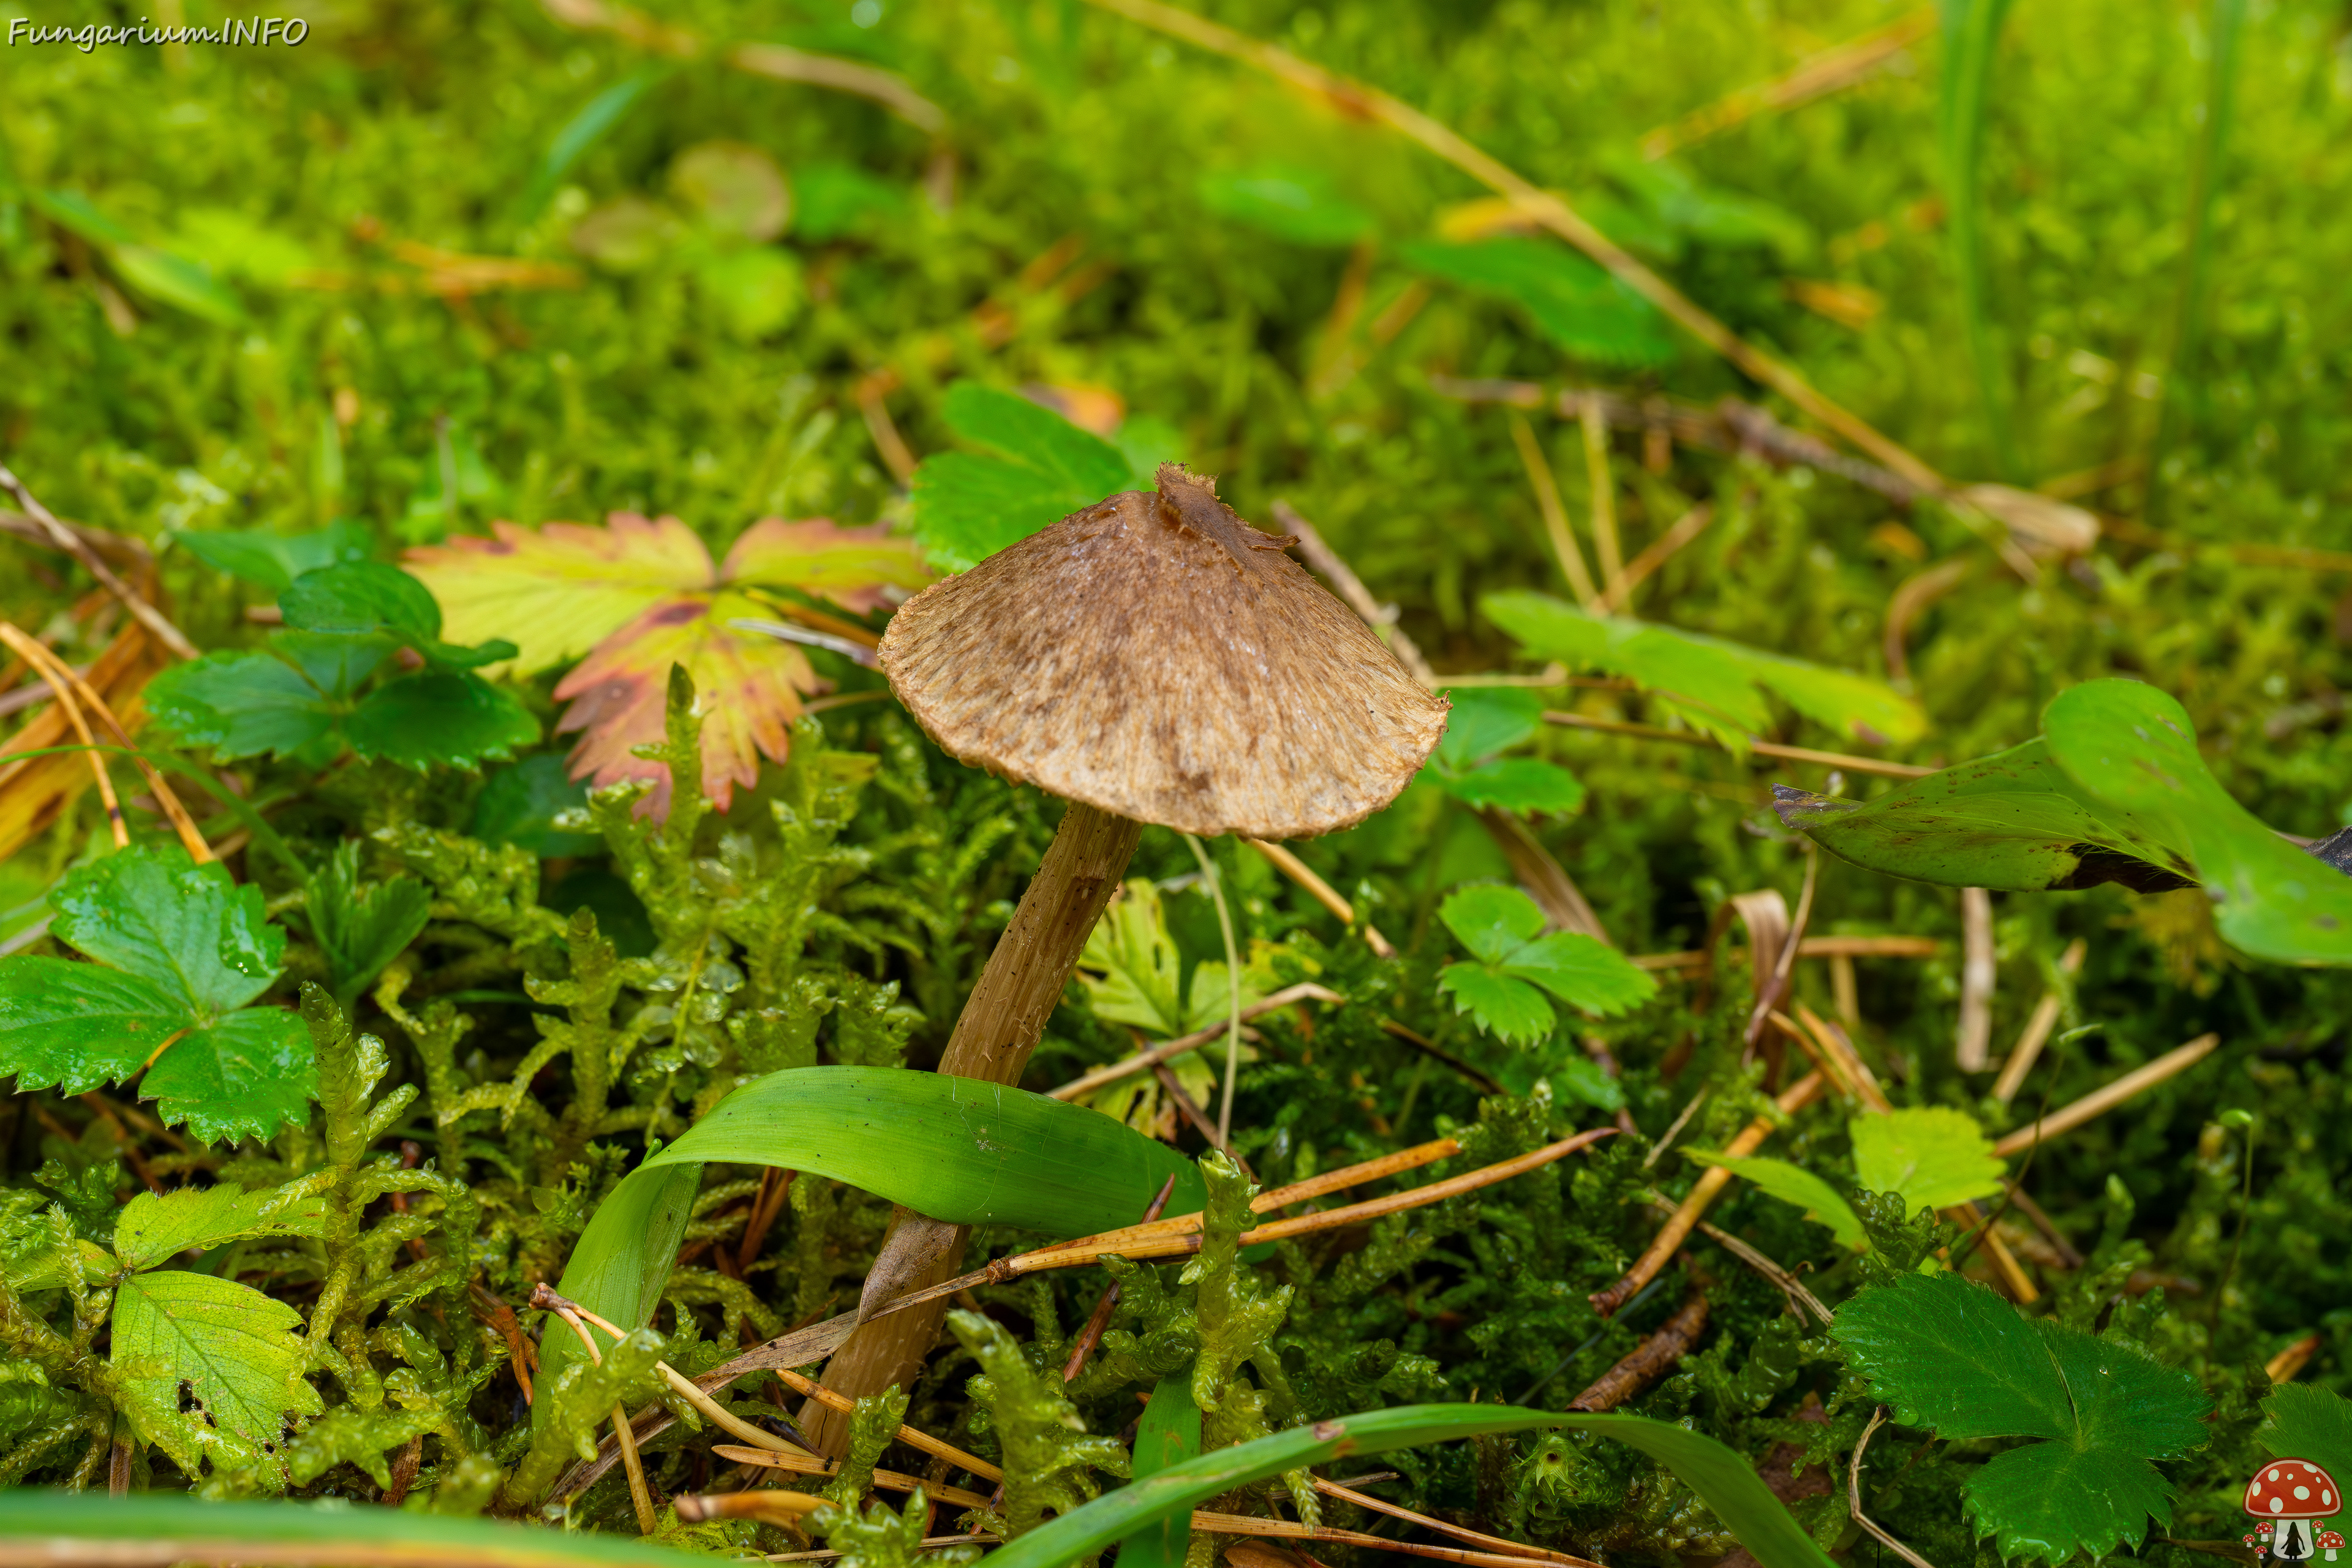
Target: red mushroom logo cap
2330, 1540
2293, 1489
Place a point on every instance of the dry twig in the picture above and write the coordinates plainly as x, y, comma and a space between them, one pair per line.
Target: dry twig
1649, 1359
2101, 1100
1854, 1496
1171, 1049
73, 545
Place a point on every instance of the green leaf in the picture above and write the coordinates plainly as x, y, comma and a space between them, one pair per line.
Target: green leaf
1572, 300
1166, 1434
1517, 784
2305, 1421
154, 1229
1951, 1356
450, 717
241, 705
283, 1530
1493, 922
2013, 822
1935, 1157
369, 599
274, 560
1300, 205
1583, 971
360, 927
209, 1368
2132, 747
1795, 1185
1511, 1010
1725, 1481
956, 1149
1715, 684
1499, 926
969, 507
175, 280
1483, 721
188, 948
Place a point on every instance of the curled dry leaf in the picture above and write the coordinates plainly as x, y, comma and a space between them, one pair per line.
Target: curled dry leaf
638, 594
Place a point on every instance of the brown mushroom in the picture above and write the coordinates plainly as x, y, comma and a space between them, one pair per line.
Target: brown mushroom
2287, 1490
1152, 659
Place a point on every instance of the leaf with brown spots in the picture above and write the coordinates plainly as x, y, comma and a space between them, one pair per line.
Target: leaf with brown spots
638, 594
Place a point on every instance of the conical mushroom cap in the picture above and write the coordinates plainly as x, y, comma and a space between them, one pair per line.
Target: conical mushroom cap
1157, 657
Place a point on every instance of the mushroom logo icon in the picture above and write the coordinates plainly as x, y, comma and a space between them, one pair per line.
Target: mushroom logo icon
2291, 1494
2331, 1543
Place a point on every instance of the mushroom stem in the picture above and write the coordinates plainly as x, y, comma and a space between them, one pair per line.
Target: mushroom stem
1001, 1020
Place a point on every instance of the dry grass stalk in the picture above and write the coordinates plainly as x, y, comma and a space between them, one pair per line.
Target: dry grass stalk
1660, 550
1711, 1181
885, 1480
1603, 487
75, 545
787, 1508
1554, 513
978, 1538
1321, 891
1142, 1242
1972, 1046
1761, 748
2284, 1366
1545, 879
1911, 595
62, 690
1382, 1505
2038, 1028
842, 1404
1209, 1523
1800, 1300
1546, 207
1835, 1045
1854, 1496
61, 678
1833, 70
624, 1437
1487, 1083
2101, 1100
1169, 1050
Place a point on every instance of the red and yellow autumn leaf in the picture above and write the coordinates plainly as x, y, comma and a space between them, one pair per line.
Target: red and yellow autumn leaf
640, 595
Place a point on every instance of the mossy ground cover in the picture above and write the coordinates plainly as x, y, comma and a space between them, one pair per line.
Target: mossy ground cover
442, 265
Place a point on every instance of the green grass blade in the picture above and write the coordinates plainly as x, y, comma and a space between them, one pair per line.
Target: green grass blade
1168, 1435
155, 1529
1725, 1481
953, 1148
1971, 31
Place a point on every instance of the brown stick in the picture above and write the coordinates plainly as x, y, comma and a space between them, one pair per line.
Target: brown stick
63, 691
1787, 1284
1091, 1335
56, 671
1603, 487
1761, 748
1649, 1359
1543, 206
1168, 1050
1711, 1181
1284, 1530
885, 1480
73, 545
2101, 1100
1444, 1057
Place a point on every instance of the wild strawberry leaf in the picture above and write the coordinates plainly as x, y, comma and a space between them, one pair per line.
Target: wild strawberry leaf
210, 1369
369, 599
1933, 1155
640, 595
2305, 1421
274, 560
180, 950
1952, 1357
1517, 783
447, 716
154, 1229
1039, 468
288, 699
1717, 686
1501, 927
